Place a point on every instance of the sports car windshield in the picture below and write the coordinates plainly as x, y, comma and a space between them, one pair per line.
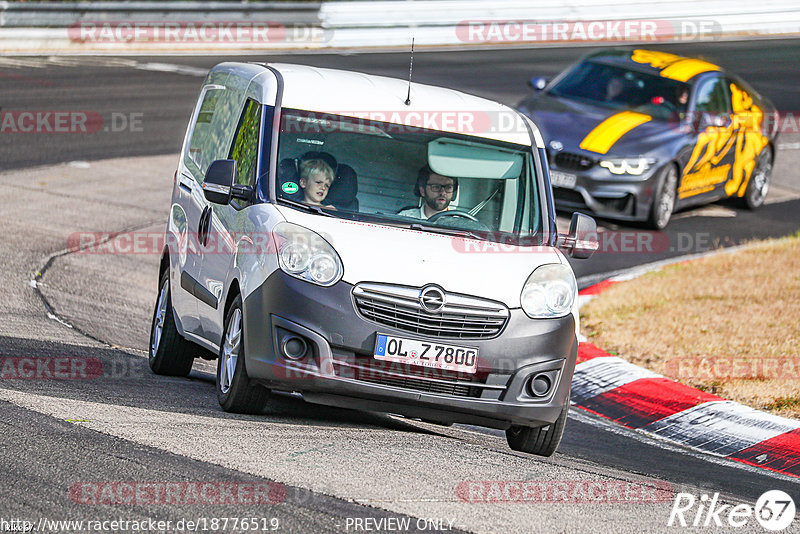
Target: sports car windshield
408, 176
620, 88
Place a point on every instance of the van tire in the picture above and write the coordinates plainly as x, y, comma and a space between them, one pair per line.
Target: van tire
236, 393
169, 353
542, 441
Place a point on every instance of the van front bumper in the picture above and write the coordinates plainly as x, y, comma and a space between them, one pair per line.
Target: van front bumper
339, 368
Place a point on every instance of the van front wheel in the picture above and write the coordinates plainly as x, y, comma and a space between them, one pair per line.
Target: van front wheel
542, 441
235, 391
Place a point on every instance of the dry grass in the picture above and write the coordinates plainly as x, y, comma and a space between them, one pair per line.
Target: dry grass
728, 324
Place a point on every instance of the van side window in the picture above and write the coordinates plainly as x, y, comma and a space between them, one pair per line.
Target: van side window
213, 129
245, 144
196, 157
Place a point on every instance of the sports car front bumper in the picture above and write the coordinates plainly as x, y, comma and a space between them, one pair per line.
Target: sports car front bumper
621, 197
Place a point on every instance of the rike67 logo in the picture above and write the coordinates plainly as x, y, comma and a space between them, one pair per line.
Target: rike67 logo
774, 510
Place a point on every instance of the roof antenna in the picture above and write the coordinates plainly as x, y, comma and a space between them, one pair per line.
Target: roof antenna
410, 69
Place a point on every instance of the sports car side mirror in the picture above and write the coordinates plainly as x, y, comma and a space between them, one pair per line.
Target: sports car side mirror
581, 242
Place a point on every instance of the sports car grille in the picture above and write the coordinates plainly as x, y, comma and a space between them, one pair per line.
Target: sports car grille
568, 196
399, 307
573, 162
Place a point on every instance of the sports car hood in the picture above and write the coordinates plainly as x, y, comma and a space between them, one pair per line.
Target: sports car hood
378, 253
600, 130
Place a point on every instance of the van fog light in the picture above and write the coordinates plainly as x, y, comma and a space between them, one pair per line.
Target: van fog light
539, 386
294, 348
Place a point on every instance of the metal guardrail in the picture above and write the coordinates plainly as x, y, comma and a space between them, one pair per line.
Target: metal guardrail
64, 14
50, 27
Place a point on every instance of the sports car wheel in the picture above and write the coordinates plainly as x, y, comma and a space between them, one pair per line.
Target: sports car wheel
664, 199
170, 354
542, 441
758, 186
235, 391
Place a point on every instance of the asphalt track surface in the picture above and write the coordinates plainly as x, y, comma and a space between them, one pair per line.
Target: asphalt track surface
129, 425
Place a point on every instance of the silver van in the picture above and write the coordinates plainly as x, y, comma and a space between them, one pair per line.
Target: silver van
372, 244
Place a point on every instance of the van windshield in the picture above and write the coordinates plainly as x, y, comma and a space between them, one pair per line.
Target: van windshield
399, 175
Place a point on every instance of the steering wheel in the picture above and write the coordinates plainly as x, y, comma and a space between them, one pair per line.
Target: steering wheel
666, 107
461, 214
669, 106
453, 213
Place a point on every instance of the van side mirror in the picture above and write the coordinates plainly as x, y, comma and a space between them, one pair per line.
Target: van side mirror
538, 83
219, 181
581, 242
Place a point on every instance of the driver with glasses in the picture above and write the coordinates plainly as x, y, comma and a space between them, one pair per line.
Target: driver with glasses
437, 192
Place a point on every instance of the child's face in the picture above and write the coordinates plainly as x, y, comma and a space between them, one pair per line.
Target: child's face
316, 187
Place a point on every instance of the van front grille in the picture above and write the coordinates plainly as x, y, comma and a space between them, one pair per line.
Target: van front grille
460, 316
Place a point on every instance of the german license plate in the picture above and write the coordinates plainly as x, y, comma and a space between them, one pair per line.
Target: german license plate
563, 179
426, 354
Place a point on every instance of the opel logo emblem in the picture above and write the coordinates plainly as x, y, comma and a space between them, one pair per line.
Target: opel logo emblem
556, 145
432, 299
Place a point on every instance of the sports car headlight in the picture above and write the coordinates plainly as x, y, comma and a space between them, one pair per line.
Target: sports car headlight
632, 166
306, 255
549, 291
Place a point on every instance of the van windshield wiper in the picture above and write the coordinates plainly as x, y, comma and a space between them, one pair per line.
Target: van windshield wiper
307, 207
443, 230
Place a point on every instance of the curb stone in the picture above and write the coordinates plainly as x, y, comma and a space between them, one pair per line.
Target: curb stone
639, 399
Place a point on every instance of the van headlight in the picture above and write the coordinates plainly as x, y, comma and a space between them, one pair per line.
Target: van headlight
549, 291
632, 166
304, 254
